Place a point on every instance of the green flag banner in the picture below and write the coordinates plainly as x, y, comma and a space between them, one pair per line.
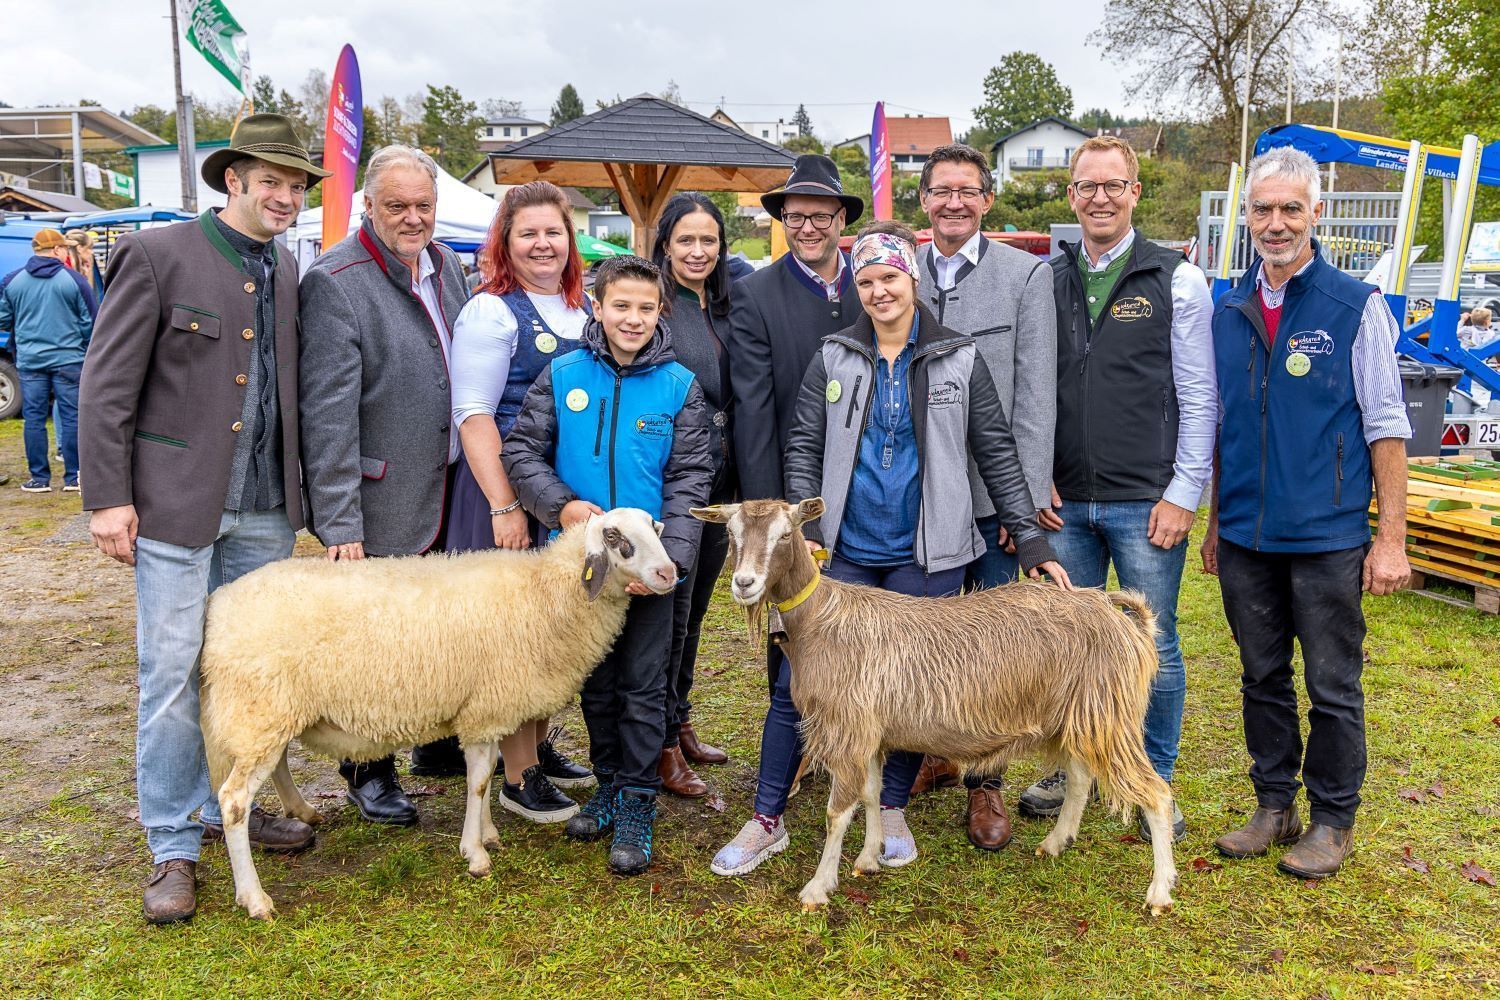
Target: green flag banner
214, 32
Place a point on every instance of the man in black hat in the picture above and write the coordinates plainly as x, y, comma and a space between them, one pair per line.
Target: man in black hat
189, 447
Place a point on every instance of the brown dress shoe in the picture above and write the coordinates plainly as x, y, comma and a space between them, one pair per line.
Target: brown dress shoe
1319, 853
677, 775
935, 773
988, 822
172, 893
696, 751
1266, 827
278, 834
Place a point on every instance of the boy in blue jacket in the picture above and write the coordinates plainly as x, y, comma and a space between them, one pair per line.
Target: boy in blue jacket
619, 423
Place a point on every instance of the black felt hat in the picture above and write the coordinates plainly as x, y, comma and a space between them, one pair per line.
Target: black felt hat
816, 175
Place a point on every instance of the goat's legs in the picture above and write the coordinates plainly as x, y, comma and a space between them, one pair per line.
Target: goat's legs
480, 758
842, 799
235, 798
868, 862
1164, 869
1065, 830
291, 796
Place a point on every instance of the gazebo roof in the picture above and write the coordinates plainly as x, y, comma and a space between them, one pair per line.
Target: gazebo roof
709, 155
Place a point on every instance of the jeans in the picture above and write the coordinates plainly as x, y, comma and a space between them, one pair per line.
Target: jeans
624, 699
172, 584
1093, 535
780, 745
692, 598
996, 566
39, 387
1271, 598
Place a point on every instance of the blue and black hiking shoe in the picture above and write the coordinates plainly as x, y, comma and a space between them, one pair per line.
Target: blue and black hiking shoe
597, 817
630, 854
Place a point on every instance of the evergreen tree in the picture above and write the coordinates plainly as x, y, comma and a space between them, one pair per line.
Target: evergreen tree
568, 107
449, 129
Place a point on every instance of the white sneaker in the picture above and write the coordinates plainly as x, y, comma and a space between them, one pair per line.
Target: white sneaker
752, 845
898, 846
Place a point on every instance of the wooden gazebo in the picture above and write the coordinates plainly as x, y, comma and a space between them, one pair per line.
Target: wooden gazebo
646, 149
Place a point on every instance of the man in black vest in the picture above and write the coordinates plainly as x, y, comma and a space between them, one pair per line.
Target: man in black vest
1137, 404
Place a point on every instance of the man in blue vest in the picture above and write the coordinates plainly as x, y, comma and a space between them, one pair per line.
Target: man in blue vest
1311, 412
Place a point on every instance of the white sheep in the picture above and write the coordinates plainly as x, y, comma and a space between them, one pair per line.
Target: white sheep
468, 645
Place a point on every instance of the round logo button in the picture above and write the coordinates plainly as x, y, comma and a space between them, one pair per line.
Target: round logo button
546, 343
833, 391
1298, 364
577, 400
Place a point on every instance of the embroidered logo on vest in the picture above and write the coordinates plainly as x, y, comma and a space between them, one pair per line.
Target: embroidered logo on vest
1311, 342
654, 425
945, 393
1131, 309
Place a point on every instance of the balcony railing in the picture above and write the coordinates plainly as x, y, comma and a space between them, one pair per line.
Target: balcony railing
1038, 163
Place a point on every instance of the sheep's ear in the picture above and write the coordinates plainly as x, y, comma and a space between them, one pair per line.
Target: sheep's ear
807, 510
717, 514
595, 569
659, 527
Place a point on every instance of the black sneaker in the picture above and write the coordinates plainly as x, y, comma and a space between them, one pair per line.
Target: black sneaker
630, 854
536, 798
597, 817
559, 770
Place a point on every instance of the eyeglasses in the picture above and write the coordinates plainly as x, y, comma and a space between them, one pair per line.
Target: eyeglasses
966, 194
1113, 188
820, 220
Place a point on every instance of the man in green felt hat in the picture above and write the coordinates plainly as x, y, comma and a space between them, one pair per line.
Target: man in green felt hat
188, 446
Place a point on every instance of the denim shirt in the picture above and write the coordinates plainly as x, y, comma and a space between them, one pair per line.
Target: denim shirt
885, 495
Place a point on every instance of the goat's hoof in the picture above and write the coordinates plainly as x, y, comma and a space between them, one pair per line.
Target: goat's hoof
812, 907
1158, 911
310, 816
492, 842
480, 871
862, 867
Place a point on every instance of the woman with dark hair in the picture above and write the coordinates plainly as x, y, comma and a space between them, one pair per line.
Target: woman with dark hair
529, 309
691, 254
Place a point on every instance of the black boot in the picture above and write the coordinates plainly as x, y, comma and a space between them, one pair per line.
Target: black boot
377, 794
630, 854
442, 758
536, 798
559, 770
597, 817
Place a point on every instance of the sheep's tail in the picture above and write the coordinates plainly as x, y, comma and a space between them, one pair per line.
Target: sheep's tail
1104, 727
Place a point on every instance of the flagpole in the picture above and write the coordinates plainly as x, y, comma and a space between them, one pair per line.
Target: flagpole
185, 144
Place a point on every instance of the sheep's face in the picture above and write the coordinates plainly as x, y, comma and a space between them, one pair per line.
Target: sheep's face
765, 540
626, 541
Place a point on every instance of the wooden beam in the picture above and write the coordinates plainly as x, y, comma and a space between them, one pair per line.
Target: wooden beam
630, 200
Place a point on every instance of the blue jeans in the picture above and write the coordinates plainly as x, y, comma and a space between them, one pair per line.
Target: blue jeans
780, 745
38, 389
1095, 534
172, 584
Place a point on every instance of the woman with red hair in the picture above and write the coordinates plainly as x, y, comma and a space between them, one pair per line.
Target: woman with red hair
529, 309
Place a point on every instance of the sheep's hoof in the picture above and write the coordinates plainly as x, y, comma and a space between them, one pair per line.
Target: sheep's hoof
258, 908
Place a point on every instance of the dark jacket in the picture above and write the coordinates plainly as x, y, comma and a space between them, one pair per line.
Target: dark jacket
636, 436
700, 343
50, 308
375, 400
777, 321
956, 414
165, 379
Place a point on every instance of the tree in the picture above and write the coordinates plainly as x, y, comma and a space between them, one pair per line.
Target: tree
569, 106
499, 107
154, 118
1020, 90
672, 93
313, 102
449, 128
851, 159
803, 144
803, 121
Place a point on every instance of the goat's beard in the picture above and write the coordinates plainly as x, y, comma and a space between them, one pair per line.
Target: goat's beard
753, 614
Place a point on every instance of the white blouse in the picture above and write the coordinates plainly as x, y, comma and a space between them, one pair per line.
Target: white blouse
484, 343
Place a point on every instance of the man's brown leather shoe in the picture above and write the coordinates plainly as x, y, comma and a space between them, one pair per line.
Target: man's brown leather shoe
172, 893
677, 775
696, 751
1319, 853
936, 772
988, 822
1266, 827
279, 834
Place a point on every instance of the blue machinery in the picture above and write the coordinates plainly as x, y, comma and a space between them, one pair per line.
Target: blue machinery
1467, 167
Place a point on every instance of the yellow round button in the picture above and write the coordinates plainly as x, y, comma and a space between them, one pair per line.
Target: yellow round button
240, 380
192, 326
250, 286
248, 334
236, 426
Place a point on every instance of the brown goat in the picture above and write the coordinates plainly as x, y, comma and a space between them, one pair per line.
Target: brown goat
979, 679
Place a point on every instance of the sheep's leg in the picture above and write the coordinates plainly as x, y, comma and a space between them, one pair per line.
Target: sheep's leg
488, 835
1065, 831
235, 798
868, 862
841, 802
1164, 869
480, 758
291, 796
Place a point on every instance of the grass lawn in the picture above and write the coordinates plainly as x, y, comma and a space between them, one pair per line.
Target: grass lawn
754, 247
393, 912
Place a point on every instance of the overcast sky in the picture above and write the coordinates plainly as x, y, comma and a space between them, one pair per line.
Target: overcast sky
837, 58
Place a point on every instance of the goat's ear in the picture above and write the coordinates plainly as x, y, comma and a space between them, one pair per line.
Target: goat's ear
808, 510
595, 569
717, 514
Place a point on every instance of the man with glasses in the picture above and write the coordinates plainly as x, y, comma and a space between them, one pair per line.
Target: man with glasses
1002, 297
1136, 409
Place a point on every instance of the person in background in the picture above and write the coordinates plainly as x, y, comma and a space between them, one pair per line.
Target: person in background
691, 255
81, 244
50, 310
1476, 332
529, 309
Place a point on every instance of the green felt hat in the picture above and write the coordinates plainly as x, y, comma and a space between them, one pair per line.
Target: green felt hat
266, 137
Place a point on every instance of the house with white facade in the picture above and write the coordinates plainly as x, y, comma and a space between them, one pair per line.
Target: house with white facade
498, 133
1046, 144
778, 131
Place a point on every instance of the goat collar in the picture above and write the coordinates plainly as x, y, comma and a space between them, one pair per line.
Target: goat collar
819, 555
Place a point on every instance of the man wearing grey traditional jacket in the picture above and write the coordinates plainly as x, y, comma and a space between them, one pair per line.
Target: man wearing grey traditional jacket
1002, 297
377, 441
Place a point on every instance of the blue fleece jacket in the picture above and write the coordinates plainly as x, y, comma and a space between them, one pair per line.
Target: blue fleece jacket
50, 308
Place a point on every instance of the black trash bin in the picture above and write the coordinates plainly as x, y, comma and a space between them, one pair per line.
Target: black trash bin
1426, 389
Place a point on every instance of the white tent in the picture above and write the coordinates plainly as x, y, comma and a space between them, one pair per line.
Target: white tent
463, 219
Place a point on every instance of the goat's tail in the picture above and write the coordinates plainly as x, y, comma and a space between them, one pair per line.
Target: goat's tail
1103, 729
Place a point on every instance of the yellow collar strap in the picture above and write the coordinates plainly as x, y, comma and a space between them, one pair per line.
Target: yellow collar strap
819, 556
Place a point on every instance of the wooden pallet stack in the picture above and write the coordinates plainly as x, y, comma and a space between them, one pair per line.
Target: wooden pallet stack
1453, 525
